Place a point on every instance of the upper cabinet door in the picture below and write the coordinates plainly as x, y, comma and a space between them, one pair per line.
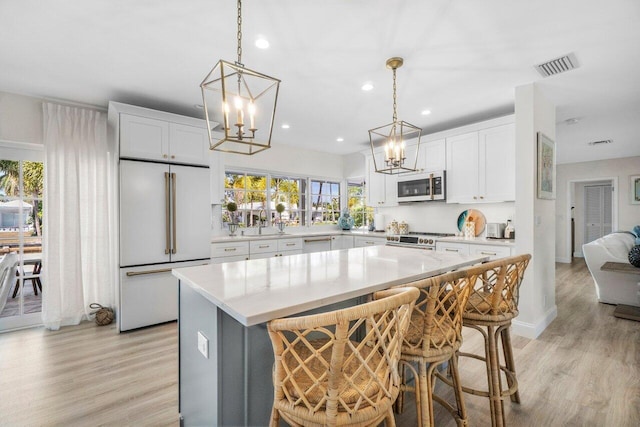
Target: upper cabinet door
497, 173
188, 144
144, 138
434, 155
462, 168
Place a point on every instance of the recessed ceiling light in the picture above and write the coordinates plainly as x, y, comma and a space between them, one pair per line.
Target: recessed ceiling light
367, 87
340, 139
262, 43
285, 126
425, 112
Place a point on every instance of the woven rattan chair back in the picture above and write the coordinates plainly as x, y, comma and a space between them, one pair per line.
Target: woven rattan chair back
495, 293
327, 373
492, 305
434, 335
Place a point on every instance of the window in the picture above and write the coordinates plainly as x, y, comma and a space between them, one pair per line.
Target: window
356, 202
325, 202
249, 192
21, 192
291, 193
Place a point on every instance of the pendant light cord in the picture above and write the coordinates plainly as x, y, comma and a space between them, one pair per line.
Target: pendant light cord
240, 32
395, 104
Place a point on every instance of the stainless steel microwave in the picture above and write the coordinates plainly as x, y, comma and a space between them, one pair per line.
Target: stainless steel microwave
422, 187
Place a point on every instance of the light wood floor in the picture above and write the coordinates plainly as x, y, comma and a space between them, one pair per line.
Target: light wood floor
584, 370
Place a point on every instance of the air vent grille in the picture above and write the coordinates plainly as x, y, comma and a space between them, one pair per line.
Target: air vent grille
558, 65
604, 141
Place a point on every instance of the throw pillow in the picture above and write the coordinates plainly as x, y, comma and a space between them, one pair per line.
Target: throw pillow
634, 256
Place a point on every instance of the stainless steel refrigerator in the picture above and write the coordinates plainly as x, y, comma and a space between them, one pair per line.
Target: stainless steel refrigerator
165, 221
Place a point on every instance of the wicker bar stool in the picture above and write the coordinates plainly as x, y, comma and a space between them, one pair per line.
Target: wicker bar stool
492, 305
434, 335
324, 376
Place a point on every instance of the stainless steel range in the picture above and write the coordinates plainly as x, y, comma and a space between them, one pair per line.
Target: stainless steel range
417, 240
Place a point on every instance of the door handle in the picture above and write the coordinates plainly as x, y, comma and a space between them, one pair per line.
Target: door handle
173, 209
167, 212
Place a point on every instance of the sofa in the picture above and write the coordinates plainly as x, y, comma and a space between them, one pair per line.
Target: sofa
613, 287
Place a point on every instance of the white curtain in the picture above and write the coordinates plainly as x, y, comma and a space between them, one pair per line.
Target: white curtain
80, 228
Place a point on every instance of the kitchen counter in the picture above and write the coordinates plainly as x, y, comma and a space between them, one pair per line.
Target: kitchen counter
226, 357
250, 237
479, 241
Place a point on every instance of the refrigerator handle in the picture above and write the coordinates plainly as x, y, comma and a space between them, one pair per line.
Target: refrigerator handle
167, 212
173, 210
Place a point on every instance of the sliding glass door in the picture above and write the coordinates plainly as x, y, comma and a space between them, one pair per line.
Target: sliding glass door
21, 191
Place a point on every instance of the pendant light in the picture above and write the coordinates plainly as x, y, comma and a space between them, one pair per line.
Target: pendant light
394, 136
243, 101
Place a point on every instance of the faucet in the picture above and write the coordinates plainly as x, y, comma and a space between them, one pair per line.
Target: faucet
260, 225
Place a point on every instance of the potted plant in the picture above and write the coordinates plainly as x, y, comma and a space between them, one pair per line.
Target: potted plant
280, 208
232, 207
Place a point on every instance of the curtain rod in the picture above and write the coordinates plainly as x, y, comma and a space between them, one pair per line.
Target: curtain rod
74, 104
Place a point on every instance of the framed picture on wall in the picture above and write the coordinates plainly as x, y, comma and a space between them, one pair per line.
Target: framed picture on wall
546, 167
635, 190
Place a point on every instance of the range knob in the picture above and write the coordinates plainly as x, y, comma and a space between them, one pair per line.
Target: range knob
430, 241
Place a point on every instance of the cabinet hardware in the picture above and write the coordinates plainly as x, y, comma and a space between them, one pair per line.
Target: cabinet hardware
175, 236
326, 239
140, 273
451, 250
229, 249
489, 253
173, 157
475, 198
370, 243
167, 213
263, 246
164, 156
290, 244
482, 197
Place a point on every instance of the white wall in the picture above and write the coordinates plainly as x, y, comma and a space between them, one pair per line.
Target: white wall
20, 118
536, 217
628, 214
290, 160
438, 217
354, 166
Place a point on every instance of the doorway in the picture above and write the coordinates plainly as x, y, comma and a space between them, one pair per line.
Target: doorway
593, 211
21, 210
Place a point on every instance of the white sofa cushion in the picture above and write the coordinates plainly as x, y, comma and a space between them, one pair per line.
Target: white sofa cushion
617, 244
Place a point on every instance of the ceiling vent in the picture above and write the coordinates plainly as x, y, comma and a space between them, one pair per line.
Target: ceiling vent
558, 65
604, 141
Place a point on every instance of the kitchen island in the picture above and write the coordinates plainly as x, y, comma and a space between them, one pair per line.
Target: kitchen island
225, 352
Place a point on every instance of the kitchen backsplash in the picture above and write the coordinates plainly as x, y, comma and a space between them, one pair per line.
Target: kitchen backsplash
443, 217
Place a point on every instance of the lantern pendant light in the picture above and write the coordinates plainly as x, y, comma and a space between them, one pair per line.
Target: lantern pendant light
240, 100
394, 136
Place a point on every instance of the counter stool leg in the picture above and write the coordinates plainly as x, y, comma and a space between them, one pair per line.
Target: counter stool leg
390, 421
457, 388
493, 366
509, 362
425, 388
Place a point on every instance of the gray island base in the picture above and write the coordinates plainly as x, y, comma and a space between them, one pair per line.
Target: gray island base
225, 352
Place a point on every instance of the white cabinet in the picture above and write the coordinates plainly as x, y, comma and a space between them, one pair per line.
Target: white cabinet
154, 139
458, 248
362, 241
317, 244
481, 166
431, 156
381, 188
216, 166
229, 251
492, 251
341, 242
290, 246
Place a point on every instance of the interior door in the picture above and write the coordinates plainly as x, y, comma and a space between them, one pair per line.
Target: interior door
191, 215
143, 213
597, 208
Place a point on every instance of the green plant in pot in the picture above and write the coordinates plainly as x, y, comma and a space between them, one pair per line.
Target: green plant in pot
232, 207
280, 208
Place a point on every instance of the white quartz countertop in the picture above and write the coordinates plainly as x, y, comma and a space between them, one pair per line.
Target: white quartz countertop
478, 241
256, 291
272, 235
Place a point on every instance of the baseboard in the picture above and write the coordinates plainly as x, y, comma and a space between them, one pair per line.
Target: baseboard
533, 330
578, 255
563, 260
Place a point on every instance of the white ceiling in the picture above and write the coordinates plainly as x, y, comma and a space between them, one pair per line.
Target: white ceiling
463, 60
